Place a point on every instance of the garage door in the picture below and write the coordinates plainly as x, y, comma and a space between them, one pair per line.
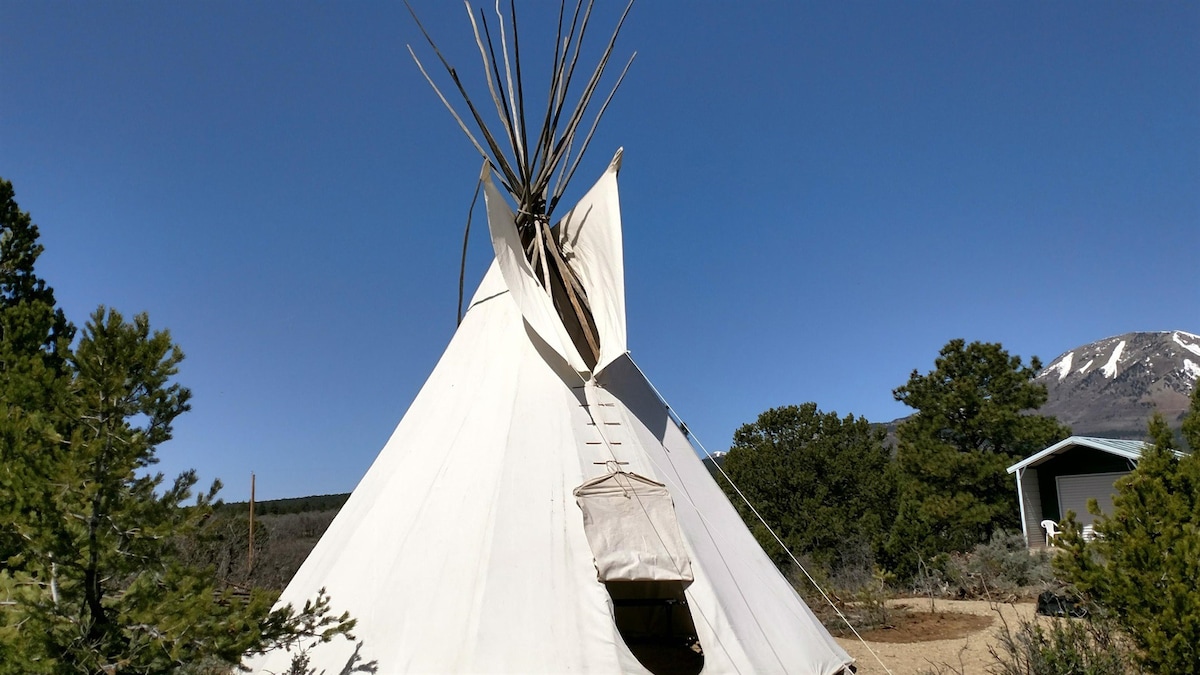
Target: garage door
1075, 491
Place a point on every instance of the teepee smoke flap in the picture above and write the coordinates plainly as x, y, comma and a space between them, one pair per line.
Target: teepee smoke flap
536, 177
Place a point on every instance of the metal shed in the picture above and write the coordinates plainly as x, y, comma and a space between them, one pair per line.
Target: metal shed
1065, 476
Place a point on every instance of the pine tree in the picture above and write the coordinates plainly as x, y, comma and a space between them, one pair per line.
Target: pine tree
102, 548
108, 523
1191, 422
89, 563
34, 340
1143, 566
973, 420
20, 285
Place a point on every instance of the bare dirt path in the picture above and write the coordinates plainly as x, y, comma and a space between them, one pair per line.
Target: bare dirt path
918, 646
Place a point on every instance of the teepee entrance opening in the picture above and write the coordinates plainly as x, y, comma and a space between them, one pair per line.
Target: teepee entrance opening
640, 557
656, 624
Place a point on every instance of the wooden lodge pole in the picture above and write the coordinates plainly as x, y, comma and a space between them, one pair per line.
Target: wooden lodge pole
250, 553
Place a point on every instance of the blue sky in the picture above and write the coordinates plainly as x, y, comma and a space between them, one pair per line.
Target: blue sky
816, 197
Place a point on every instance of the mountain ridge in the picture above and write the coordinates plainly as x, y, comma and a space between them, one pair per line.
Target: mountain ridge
1111, 387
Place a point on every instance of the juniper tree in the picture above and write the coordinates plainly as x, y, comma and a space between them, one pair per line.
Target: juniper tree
821, 481
974, 418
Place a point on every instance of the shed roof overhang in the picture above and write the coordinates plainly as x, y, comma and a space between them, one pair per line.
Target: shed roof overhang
1131, 450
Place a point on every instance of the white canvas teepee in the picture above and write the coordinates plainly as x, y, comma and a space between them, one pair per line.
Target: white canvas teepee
519, 478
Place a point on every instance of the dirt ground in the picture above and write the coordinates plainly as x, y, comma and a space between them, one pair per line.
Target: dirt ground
957, 635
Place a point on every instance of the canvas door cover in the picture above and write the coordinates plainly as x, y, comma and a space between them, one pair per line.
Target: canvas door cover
630, 525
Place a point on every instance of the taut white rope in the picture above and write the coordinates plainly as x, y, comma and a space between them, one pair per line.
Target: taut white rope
692, 437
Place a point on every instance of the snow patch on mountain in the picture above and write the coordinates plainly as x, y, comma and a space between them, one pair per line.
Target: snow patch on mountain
1191, 369
1110, 368
1193, 348
1064, 365
1084, 368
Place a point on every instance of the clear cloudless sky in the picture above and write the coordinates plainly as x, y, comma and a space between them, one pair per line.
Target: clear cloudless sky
817, 196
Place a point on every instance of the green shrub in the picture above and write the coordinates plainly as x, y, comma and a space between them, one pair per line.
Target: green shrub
1004, 564
1001, 568
1060, 647
855, 595
1052, 647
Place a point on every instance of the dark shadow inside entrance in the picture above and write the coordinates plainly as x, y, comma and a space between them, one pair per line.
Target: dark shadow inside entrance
655, 621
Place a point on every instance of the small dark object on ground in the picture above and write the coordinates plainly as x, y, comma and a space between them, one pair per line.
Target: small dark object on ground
1055, 604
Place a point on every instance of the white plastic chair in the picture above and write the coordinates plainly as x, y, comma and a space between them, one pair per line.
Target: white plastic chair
1051, 528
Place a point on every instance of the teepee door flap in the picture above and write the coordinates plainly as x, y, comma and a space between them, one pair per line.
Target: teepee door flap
630, 525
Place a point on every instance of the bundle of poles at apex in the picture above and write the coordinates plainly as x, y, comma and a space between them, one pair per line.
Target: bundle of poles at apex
536, 175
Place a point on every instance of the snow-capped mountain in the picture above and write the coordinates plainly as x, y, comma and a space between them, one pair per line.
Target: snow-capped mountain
1111, 387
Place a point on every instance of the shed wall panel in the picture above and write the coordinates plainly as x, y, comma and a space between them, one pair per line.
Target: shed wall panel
1075, 491
1035, 536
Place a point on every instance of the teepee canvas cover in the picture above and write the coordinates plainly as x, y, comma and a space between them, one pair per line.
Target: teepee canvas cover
464, 550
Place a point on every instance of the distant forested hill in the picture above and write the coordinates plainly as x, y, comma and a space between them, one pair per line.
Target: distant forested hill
285, 532
315, 503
